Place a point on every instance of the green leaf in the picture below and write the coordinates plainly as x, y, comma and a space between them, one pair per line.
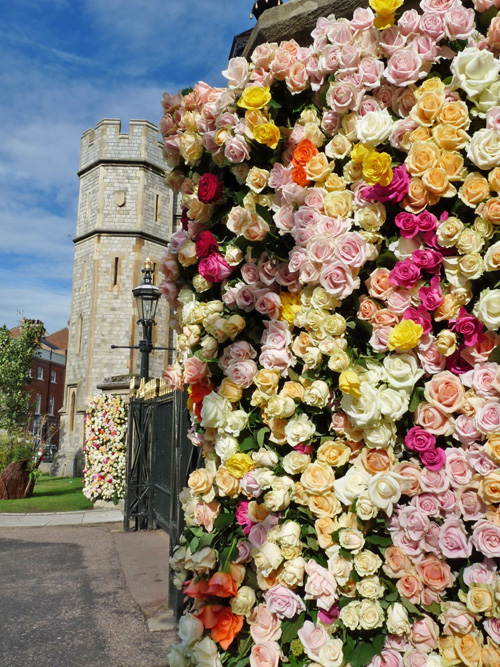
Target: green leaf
365, 651
265, 214
206, 540
381, 540
433, 608
247, 444
224, 520
193, 545
410, 607
494, 355
312, 542
261, 435
387, 259
244, 645
290, 628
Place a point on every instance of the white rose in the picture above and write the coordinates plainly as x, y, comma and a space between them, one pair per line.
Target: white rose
365, 509
393, 403
209, 347
244, 601
225, 446
330, 654
281, 406
385, 489
205, 654
278, 499
370, 587
434, 660
371, 615
317, 394
365, 410
349, 487
382, 434
233, 255
366, 563
267, 558
299, 429
471, 265
486, 100
349, 615
374, 127
292, 573
487, 310
295, 462
351, 539
190, 630
236, 422
289, 540
177, 656
264, 477
215, 411
397, 620
484, 149
474, 70
340, 567
265, 458
401, 371
204, 560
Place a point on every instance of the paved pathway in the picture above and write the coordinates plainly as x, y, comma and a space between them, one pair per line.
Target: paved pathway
82, 596
61, 518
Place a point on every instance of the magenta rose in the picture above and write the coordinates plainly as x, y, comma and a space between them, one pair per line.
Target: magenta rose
214, 268
205, 243
408, 224
468, 326
210, 188
419, 316
394, 192
405, 274
433, 459
427, 221
419, 440
428, 260
456, 364
432, 296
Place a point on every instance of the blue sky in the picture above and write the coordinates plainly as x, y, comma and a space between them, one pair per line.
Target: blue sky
64, 65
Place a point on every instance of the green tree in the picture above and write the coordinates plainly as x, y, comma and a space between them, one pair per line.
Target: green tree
16, 357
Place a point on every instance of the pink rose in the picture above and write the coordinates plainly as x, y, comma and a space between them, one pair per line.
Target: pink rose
395, 192
313, 637
432, 296
492, 627
457, 620
342, 97
244, 298
371, 71
391, 41
427, 503
320, 249
337, 279
480, 461
241, 372
439, 6
453, 539
486, 538
405, 274
351, 249
362, 19
309, 273
481, 350
409, 21
399, 301
297, 78
413, 522
283, 602
380, 338
465, 430
195, 370
236, 72
320, 586
459, 23
434, 481
330, 122
265, 626
269, 304
415, 658
403, 67
470, 504
447, 501
214, 268
170, 292
250, 273
468, 326
265, 655
487, 418
279, 360
482, 379
445, 391
407, 223
236, 150
424, 634
249, 485
457, 467
173, 378
387, 658
480, 573
279, 176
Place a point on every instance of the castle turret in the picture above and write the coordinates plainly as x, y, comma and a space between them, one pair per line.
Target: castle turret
125, 214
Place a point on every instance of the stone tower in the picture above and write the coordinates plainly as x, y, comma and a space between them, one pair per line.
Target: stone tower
125, 214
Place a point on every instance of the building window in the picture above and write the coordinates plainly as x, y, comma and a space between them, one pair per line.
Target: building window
51, 405
30, 372
157, 208
79, 331
115, 271
53, 377
38, 404
72, 410
40, 373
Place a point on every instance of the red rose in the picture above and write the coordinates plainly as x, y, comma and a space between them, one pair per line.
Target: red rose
205, 244
209, 188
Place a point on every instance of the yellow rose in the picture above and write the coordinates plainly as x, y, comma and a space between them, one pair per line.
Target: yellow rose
239, 464
446, 342
255, 97
349, 383
377, 168
359, 152
405, 335
267, 133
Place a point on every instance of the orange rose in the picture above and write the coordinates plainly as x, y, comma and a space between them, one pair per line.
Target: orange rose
293, 390
453, 164
423, 155
253, 118
491, 654
427, 108
456, 114
299, 176
222, 585
318, 167
324, 506
367, 308
196, 590
449, 138
226, 626
490, 210
445, 391
475, 188
303, 152
324, 529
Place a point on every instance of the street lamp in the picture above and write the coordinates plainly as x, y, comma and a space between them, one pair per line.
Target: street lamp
147, 296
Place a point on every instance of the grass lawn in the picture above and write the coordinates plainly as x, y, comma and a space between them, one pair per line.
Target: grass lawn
51, 494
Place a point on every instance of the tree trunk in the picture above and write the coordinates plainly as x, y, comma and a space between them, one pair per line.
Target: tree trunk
15, 482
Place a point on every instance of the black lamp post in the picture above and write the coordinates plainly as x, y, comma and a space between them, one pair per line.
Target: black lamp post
147, 296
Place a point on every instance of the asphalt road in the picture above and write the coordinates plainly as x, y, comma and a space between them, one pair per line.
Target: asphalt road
64, 602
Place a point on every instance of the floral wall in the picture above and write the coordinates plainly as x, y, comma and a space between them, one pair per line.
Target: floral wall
337, 296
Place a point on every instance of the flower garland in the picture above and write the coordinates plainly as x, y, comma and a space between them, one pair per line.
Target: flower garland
105, 448
336, 288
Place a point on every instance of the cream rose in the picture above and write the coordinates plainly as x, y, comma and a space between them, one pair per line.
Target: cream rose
487, 310
374, 127
484, 148
474, 70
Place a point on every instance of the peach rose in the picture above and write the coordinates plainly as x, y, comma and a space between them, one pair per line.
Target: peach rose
435, 573
490, 210
428, 107
453, 164
445, 391
433, 419
379, 285
422, 156
474, 189
449, 138
455, 113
